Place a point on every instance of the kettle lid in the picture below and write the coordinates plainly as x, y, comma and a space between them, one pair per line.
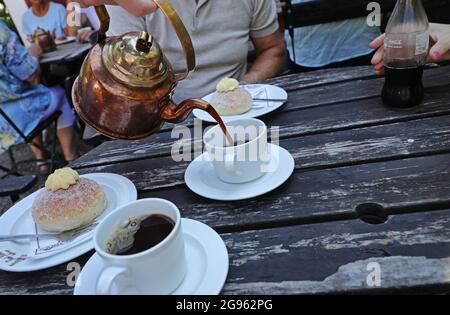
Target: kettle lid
135, 59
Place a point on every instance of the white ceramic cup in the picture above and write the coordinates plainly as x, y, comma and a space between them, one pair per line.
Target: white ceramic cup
158, 270
241, 163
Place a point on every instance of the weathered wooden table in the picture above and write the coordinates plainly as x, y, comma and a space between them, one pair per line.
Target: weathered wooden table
65, 52
63, 64
312, 235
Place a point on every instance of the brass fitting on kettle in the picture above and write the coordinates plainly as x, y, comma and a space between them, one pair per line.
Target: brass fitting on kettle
144, 42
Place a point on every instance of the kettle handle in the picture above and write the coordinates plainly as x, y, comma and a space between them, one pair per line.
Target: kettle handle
103, 16
176, 23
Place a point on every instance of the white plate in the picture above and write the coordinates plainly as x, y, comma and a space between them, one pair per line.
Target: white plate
207, 264
201, 178
258, 109
21, 257
68, 39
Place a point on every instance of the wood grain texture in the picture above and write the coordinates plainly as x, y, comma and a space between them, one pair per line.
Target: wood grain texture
65, 52
359, 97
301, 98
305, 237
325, 195
342, 116
413, 251
312, 79
17, 185
357, 146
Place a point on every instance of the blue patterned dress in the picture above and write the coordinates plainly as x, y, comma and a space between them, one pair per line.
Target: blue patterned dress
22, 102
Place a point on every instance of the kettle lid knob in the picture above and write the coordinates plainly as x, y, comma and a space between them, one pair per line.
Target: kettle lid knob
144, 42
135, 60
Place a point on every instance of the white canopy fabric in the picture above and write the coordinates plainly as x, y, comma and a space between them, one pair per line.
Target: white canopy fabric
16, 9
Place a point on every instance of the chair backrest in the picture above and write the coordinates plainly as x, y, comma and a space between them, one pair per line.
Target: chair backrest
312, 12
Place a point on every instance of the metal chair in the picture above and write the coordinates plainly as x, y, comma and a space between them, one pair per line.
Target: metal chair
53, 159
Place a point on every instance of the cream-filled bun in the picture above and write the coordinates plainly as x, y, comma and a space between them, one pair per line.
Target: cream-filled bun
230, 99
68, 202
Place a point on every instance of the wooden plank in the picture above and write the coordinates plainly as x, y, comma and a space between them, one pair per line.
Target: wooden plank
325, 195
17, 185
413, 252
314, 79
304, 95
319, 96
64, 51
307, 80
322, 77
342, 116
310, 79
357, 146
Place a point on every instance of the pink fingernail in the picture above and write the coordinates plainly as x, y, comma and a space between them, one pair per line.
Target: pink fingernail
437, 55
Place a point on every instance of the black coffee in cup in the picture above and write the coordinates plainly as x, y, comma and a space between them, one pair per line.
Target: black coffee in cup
239, 142
140, 234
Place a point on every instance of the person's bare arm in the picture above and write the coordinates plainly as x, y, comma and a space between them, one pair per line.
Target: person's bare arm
35, 79
135, 7
280, 5
84, 35
270, 56
35, 51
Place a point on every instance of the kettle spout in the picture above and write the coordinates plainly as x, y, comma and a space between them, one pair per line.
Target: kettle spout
177, 113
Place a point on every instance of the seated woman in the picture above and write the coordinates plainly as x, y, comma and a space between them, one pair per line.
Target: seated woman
439, 51
47, 15
26, 102
331, 45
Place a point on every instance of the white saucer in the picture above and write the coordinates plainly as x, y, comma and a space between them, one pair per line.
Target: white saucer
207, 264
68, 39
258, 109
23, 257
201, 178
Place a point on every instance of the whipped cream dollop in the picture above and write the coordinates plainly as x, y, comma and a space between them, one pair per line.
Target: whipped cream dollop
227, 85
62, 179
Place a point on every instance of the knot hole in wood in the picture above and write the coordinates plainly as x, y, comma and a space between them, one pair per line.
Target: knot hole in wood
371, 213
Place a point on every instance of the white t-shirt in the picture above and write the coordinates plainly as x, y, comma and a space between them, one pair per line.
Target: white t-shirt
53, 21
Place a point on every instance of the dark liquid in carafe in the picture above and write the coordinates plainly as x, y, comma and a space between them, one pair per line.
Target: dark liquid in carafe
219, 120
152, 231
403, 88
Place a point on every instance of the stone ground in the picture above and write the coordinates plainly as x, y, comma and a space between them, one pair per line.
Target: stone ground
23, 152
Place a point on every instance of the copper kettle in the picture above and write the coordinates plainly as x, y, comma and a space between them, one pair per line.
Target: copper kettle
125, 86
44, 40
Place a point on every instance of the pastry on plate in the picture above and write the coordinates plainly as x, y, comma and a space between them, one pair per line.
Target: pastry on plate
68, 202
230, 99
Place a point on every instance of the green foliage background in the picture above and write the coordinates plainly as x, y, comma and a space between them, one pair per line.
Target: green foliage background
4, 16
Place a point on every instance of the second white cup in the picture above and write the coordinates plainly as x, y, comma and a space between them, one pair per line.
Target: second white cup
244, 160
